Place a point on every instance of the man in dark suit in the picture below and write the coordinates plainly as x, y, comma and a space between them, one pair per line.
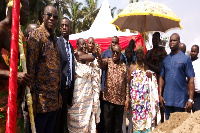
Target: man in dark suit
68, 74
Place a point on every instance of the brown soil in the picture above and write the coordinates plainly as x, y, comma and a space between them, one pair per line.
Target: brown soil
180, 122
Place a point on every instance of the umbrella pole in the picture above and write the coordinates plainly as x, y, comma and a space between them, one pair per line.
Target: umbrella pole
144, 27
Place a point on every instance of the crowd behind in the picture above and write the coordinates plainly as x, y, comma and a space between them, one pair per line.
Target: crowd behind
93, 91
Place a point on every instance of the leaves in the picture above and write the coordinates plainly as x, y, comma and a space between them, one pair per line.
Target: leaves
81, 16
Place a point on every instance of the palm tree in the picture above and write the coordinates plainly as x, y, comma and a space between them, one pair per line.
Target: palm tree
60, 5
90, 11
75, 13
36, 8
131, 1
112, 11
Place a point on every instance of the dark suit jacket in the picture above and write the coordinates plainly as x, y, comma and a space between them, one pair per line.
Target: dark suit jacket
64, 69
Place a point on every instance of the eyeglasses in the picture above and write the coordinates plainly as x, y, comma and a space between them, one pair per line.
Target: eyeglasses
50, 15
114, 42
115, 52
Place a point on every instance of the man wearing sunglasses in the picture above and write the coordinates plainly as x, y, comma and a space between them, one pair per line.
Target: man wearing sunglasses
115, 94
43, 64
107, 54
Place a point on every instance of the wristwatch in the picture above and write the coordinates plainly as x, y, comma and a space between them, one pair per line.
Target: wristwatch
190, 100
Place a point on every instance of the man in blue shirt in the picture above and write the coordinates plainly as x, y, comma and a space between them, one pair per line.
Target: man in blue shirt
173, 91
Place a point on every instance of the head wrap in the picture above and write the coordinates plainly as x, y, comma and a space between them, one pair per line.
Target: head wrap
10, 4
140, 48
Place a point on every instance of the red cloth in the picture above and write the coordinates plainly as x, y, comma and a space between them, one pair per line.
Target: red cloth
123, 41
12, 95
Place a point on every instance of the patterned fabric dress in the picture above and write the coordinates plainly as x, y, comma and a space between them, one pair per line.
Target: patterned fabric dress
4, 65
144, 101
85, 110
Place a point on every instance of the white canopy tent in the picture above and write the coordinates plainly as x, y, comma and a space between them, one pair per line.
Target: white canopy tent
101, 27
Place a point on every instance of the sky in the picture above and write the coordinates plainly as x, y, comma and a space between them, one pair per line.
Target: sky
187, 10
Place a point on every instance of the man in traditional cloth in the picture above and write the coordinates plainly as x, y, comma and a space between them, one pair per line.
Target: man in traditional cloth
84, 113
22, 78
154, 58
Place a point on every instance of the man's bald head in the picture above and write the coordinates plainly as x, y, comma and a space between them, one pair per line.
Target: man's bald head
177, 36
115, 41
182, 47
49, 7
117, 47
29, 28
174, 42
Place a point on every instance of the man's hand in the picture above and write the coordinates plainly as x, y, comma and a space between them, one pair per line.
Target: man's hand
162, 101
98, 50
126, 105
188, 106
149, 74
23, 79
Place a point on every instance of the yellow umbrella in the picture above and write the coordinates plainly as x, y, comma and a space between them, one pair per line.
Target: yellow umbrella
147, 16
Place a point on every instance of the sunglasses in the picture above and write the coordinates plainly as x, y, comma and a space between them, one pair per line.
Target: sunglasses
115, 52
50, 15
114, 42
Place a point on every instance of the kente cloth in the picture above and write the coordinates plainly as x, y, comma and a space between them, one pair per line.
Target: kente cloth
85, 110
4, 65
157, 55
144, 100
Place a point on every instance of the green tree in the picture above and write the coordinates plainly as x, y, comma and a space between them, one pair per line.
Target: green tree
90, 12
112, 11
36, 8
75, 13
131, 1
61, 6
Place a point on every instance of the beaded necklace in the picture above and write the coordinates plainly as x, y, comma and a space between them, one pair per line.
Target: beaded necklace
139, 75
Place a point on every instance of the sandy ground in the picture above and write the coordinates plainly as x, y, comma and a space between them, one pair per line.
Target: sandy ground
180, 122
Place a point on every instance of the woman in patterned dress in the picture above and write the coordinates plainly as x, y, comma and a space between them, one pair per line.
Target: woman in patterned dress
144, 94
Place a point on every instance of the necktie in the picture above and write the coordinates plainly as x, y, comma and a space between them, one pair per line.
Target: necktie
69, 68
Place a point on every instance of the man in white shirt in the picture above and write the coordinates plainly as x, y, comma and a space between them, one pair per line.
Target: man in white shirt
196, 105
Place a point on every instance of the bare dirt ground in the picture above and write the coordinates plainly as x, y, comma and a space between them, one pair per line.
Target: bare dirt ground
180, 122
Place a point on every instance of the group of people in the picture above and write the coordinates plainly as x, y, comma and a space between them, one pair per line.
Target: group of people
90, 91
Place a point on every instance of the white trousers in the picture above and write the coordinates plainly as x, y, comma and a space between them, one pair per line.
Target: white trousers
127, 114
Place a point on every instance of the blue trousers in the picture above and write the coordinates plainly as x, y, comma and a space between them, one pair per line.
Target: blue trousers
171, 109
44, 122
